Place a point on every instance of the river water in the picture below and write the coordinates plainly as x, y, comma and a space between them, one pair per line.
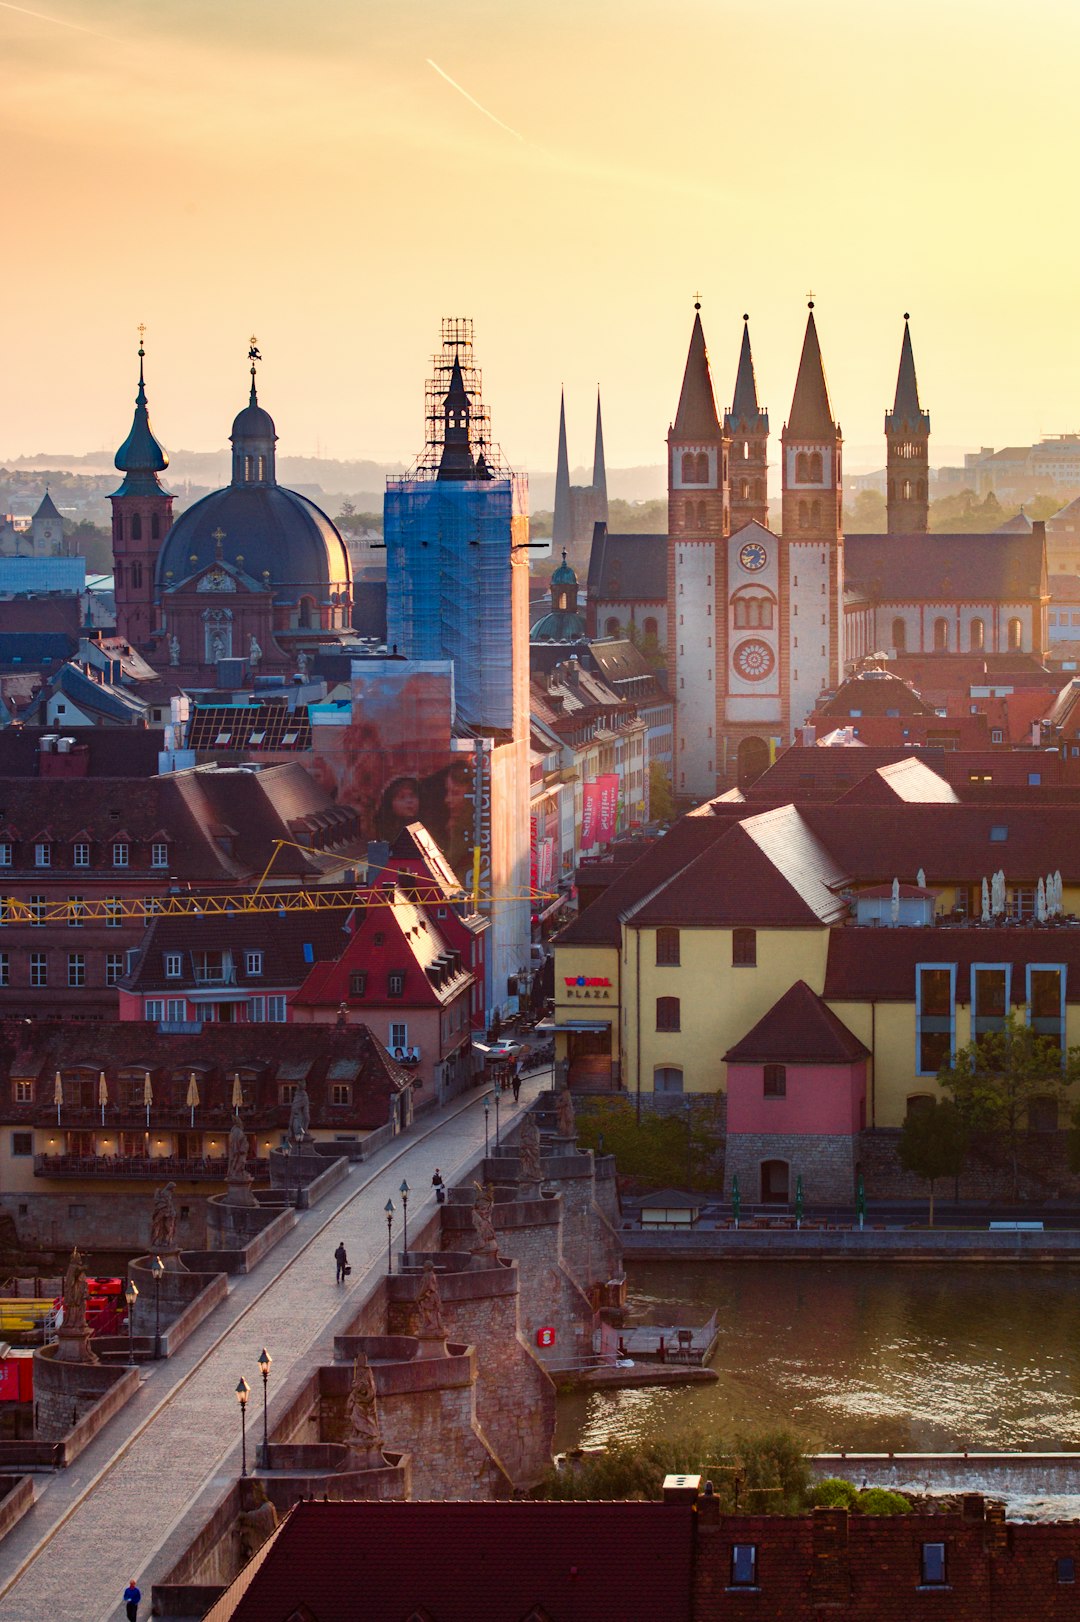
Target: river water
866, 1357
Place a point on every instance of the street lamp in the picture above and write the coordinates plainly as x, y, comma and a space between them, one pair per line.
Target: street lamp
243, 1391
131, 1295
157, 1268
404, 1192
265, 1361
486, 1110
496, 1097
389, 1209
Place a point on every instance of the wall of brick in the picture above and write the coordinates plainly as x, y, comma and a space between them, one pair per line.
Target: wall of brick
116, 1220
65, 1393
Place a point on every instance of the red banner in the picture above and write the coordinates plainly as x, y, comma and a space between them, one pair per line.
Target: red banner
608, 813
590, 813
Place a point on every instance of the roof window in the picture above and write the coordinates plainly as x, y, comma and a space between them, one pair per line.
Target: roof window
998, 833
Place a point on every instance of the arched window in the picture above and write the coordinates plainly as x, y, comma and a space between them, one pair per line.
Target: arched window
759, 489
136, 575
702, 515
920, 489
802, 468
1016, 636
744, 489
667, 947
136, 527
899, 635
667, 1014
155, 527
611, 626
977, 634
745, 451
815, 514
262, 469
650, 627
753, 610
667, 1078
919, 1101
905, 490
118, 575
804, 515
249, 465
815, 467
701, 467
941, 636
304, 617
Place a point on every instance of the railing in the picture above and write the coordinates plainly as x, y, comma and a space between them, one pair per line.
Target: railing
157, 1166
224, 975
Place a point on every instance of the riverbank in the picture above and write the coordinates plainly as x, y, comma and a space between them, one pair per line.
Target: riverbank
1061, 1245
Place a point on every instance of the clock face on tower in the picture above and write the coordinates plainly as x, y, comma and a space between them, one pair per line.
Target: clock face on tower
753, 556
753, 660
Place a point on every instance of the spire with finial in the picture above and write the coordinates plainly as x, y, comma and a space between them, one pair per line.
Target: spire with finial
457, 460
811, 414
907, 441
696, 419
562, 519
253, 356
906, 407
599, 468
747, 425
141, 457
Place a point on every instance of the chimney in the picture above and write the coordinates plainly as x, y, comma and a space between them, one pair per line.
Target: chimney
830, 1576
1038, 530
681, 1489
808, 737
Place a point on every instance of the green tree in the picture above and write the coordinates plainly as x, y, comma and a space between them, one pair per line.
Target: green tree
637, 517
764, 1473
933, 1143
966, 514
661, 799
999, 1076
866, 515
678, 1149
92, 542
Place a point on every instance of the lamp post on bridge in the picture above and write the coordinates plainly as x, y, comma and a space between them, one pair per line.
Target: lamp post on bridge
389, 1209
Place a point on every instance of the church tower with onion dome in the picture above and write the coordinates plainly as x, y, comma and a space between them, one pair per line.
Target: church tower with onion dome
142, 517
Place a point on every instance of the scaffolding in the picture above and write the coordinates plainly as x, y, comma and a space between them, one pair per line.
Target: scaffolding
456, 345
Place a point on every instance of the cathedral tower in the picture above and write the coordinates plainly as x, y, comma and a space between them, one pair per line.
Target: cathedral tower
698, 520
907, 437
813, 543
747, 426
142, 517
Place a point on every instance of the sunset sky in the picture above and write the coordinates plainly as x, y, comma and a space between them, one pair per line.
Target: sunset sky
300, 170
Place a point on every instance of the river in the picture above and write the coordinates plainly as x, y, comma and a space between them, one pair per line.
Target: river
866, 1357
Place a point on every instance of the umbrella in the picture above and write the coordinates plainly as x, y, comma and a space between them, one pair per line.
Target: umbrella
860, 1203
997, 893
798, 1200
147, 1095
58, 1095
736, 1199
192, 1096
102, 1093
1040, 902
894, 907
920, 878
985, 902
237, 1091
1059, 893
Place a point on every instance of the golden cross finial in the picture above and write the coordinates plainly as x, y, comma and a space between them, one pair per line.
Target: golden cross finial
697, 301
810, 299
141, 330
218, 535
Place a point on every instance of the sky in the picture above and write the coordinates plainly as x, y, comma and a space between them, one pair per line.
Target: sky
336, 175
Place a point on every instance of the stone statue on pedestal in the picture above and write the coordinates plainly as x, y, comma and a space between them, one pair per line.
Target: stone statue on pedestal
530, 1169
483, 1227
174, 649
564, 1114
163, 1220
238, 1152
254, 1525
300, 1114
362, 1431
429, 1318
73, 1336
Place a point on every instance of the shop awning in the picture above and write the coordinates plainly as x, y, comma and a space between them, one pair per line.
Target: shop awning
583, 1025
553, 907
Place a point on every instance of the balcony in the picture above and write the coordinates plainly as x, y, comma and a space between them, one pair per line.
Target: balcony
157, 1168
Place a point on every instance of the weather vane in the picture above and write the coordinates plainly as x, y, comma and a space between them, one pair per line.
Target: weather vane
253, 355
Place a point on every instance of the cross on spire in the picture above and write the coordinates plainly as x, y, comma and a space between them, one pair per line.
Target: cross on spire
217, 537
697, 301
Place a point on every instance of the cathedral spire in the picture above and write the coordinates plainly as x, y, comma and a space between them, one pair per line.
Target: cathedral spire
747, 426
744, 404
562, 522
906, 407
907, 441
457, 461
599, 467
811, 413
696, 418
141, 458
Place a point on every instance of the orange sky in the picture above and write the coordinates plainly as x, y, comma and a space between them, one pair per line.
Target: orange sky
299, 170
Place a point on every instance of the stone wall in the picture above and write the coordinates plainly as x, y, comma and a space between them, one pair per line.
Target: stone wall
515, 1397
66, 1395
987, 1174
117, 1219
185, 1296
825, 1162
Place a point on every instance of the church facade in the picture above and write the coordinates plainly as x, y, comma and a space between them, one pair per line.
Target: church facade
761, 624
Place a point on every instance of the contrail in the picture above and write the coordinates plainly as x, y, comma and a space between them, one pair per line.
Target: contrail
60, 22
472, 99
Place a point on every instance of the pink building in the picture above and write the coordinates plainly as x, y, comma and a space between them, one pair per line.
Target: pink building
796, 1103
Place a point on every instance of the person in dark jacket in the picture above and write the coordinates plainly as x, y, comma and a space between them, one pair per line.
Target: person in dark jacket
132, 1596
342, 1263
439, 1186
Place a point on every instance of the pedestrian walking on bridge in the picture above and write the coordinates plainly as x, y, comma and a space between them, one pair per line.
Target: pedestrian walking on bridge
342, 1263
132, 1596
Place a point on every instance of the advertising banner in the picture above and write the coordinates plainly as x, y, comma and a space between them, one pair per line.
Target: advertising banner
608, 811
546, 864
590, 813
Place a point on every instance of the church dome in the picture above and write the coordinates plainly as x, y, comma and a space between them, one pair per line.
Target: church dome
564, 623
254, 422
275, 531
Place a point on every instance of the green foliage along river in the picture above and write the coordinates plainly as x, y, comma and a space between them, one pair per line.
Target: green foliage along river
868, 1357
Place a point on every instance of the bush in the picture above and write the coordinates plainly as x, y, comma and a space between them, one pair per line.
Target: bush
660, 1152
761, 1474
834, 1493
880, 1501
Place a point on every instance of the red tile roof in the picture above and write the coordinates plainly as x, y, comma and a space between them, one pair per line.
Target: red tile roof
470, 1562
878, 965
799, 1029
655, 864
913, 781
950, 843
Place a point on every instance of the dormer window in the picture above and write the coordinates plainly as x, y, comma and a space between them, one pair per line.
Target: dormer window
159, 855
253, 963
42, 855
120, 853
7, 851
80, 854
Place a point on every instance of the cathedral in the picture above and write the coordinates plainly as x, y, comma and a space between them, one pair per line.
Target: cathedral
759, 624
252, 579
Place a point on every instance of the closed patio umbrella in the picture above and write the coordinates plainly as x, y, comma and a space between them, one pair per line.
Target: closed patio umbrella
920, 878
1040, 902
102, 1094
192, 1099
798, 1200
985, 902
736, 1199
860, 1203
58, 1095
147, 1095
237, 1091
894, 905
1059, 893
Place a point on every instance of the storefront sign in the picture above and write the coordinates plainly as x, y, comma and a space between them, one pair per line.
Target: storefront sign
587, 986
545, 1336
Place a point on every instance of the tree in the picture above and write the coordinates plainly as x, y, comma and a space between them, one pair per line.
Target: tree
661, 800
933, 1143
866, 515
966, 514
676, 1150
999, 1076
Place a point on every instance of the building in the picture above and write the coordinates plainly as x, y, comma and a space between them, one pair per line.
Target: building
457, 540
578, 507
253, 577
627, 588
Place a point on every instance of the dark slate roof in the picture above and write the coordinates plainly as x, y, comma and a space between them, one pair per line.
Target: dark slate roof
696, 418
951, 843
470, 1562
876, 692
289, 944
113, 751
811, 415
273, 529
657, 862
906, 407
946, 568
627, 568
879, 964
799, 1029
47, 508
275, 1053
32, 648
